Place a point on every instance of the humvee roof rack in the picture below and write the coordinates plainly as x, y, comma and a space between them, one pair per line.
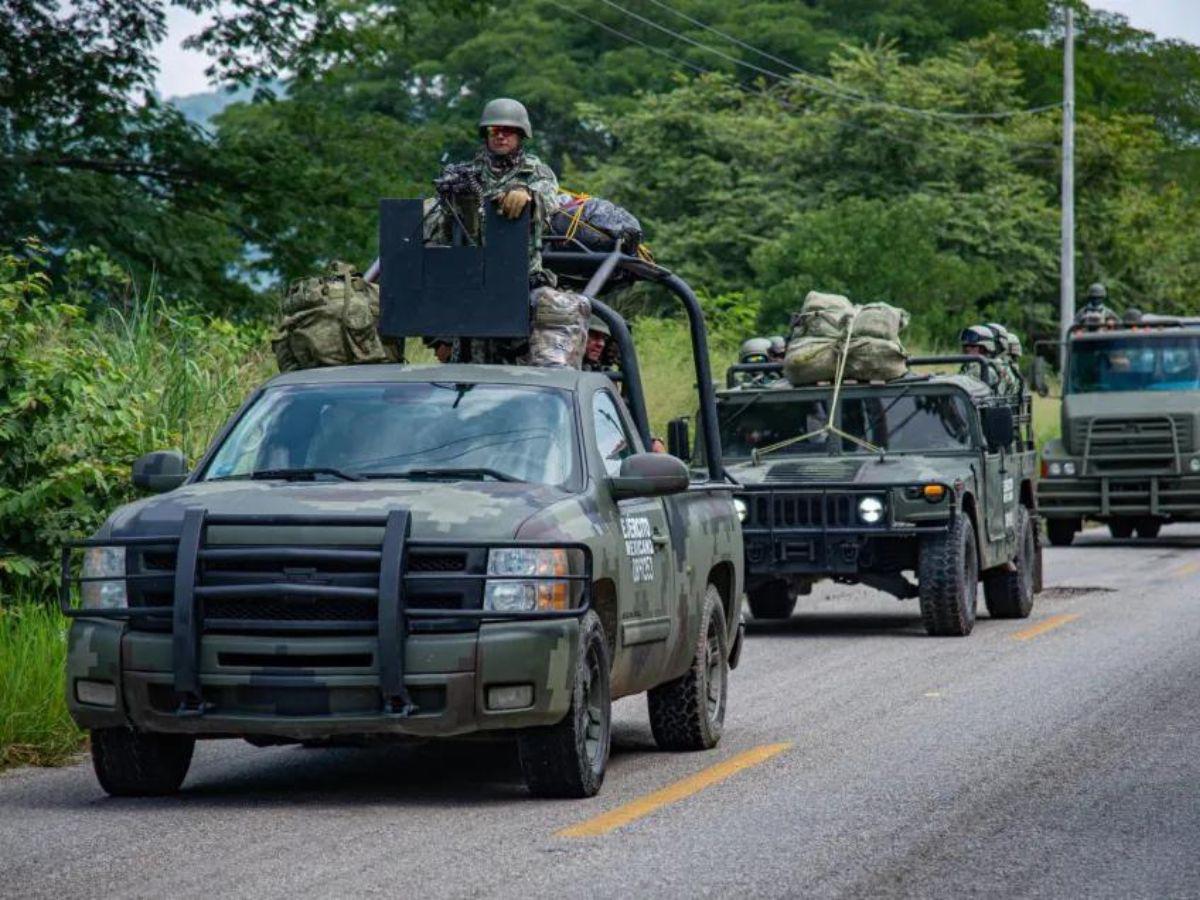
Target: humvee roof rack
482, 291
776, 368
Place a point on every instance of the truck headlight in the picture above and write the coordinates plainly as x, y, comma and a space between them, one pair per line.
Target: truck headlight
1054, 469
742, 509
1194, 463
870, 510
104, 562
515, 591
1068, 468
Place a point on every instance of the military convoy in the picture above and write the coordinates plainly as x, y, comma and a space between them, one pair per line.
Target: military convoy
395, 551
1129, 455
861, 483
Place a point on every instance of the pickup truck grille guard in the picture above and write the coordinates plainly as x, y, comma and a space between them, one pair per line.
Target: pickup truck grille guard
395, 580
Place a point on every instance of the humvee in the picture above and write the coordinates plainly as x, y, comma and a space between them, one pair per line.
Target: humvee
418, 551
929, 474
1129, 455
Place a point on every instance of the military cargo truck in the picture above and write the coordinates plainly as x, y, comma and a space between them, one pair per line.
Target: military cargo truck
1129, 454
417, 551
930, 475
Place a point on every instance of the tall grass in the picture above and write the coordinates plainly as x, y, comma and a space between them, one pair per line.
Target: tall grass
34, 726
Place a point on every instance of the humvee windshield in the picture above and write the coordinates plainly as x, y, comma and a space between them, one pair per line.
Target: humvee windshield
414, 430
1136, 363
897, 421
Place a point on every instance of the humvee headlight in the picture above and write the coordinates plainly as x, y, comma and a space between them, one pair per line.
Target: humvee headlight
511, 594
1068, 468
104, 562
1194, 463
870, 510
742, 509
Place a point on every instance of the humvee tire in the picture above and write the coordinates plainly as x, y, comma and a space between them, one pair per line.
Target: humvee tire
1061, 531
129, 763
1121, 528
569, 759
948, 579
1009, 595
773, 600
1148, 529
689, 712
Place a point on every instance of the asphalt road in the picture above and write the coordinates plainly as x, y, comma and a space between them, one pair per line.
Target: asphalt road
1055, 757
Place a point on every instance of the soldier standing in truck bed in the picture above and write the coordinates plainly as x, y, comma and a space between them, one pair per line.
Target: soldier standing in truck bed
504, 173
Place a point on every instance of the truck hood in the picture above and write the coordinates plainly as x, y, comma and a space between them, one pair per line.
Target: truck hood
466, 510
865, 470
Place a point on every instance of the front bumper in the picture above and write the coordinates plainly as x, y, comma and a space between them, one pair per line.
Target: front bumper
1173, 497
267, 638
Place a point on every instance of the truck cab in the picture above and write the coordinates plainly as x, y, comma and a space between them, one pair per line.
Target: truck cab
1129, 451
390, 552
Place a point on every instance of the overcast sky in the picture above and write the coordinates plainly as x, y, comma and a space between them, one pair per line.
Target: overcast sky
182, 72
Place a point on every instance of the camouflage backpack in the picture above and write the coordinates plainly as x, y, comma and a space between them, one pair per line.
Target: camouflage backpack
330, 320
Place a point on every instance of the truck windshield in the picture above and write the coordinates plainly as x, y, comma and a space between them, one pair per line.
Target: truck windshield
900, 422
413, 430
1141, 363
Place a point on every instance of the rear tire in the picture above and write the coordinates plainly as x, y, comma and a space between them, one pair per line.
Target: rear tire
948, 579
569, 759
1061, 531
1009, 595
1148, 529
131, 763
772, 600
1121, 529
689, 712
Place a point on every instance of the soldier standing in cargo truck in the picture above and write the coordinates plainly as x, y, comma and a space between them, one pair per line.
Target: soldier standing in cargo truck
505, 174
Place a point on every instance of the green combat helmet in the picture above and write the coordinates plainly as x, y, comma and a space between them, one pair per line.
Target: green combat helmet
755, 350
599, 325
1095, 314
505, 111
980, 336
778, 346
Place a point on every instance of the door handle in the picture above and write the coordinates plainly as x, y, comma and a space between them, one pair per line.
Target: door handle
658, 539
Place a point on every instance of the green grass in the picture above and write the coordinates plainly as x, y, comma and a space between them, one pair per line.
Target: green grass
34, 726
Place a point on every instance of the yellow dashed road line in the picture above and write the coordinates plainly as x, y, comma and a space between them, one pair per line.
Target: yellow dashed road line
1045, 625
672, 793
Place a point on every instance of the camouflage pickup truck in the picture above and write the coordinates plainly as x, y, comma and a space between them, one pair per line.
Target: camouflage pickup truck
414, 551
931, 474
1129, 454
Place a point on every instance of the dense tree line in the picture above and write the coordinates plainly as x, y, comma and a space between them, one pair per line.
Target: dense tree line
769, 147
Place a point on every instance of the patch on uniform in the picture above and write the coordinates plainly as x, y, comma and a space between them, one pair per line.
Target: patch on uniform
638, 547
1008, 490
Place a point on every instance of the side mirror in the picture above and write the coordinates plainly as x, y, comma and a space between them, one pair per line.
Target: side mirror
678, 441
999, 429
160, 471
650, 475
1040, 385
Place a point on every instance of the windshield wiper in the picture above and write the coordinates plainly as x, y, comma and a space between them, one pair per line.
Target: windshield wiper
306, 474
473, 473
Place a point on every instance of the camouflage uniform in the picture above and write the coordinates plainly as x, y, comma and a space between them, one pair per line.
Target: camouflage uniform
1000, 378
497, 175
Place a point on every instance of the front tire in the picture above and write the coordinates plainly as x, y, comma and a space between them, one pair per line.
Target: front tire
1121, 529
772, 600
1009, 595
689, 712
948, 579
1147, 529
1061, 531
569, 759
131, 763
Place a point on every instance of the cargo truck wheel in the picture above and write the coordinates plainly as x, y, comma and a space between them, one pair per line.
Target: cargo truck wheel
948, 579
1009, 595
689, 712
1061, 531
773, 600
569, 759
129, 763
1148, 529
1120, 528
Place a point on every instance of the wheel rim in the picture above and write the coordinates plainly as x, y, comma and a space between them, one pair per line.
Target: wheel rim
714, 671
595, 696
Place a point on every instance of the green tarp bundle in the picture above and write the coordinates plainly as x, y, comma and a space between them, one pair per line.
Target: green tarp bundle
829, 324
